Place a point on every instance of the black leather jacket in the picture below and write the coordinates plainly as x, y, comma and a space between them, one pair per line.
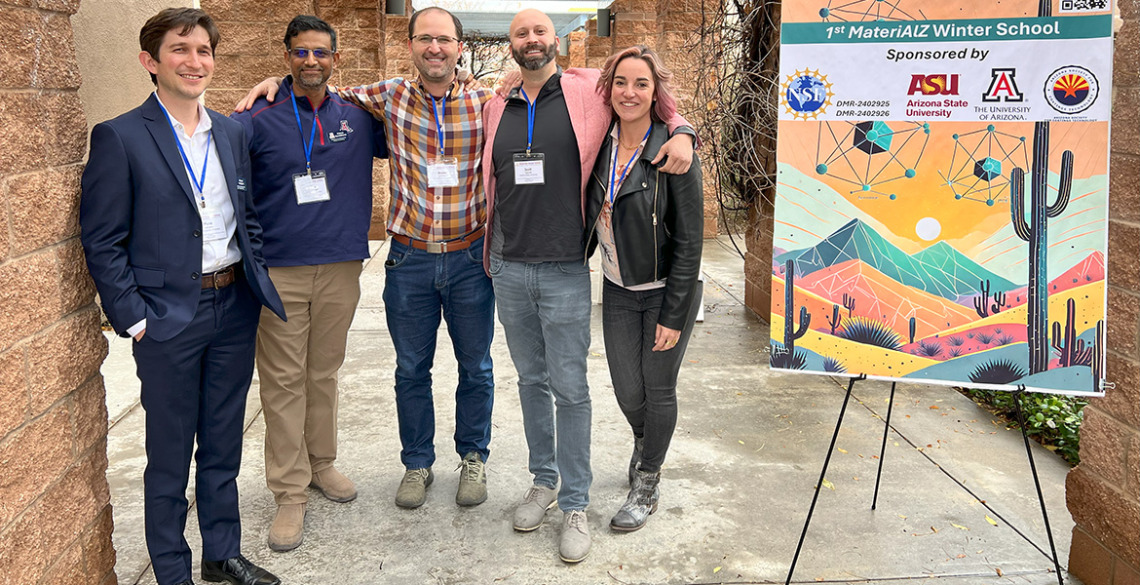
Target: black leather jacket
658, 222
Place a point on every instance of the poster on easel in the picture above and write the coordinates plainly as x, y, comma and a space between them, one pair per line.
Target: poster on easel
942, 198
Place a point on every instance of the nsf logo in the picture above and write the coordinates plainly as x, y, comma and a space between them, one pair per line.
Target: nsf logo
806, 94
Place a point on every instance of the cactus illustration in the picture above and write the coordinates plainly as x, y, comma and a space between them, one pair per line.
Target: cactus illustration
849, 303
912, 326
791, 336
1035, 233
982, 302
999, 302
1071, 351
835, 318
1098, 357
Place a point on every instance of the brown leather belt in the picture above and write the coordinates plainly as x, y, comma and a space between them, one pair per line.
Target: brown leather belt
221, 278
440, 247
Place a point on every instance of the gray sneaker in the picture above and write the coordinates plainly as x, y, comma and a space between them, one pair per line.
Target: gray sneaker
529, 514
472, 481
412, 492
574, 543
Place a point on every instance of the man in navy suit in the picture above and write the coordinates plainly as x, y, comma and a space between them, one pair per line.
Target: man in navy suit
174, 247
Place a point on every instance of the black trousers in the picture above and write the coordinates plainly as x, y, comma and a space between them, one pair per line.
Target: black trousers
645, 381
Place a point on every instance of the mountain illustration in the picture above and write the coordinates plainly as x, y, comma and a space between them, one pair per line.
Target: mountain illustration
883, 299
1091, 269
935, 273
944, 257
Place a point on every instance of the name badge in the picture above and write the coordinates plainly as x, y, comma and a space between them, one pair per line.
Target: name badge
529, 168
311, 188
443, 172
213, 225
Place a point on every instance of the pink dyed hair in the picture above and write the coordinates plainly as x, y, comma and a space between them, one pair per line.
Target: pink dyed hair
664, 105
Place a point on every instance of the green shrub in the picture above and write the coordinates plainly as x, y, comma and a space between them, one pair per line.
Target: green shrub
1052, 420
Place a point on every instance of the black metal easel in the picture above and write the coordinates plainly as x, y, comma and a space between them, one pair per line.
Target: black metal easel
878, 476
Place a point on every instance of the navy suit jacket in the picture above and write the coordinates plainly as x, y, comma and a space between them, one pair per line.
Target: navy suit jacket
140, 226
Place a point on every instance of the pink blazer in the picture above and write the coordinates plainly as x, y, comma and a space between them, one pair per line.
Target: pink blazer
590, 116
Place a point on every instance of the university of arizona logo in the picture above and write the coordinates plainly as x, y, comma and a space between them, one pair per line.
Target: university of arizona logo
806, 94
1071, 89
1003, 86
344, 127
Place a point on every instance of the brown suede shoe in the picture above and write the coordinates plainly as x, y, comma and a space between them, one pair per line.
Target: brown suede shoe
288, 529
334, 485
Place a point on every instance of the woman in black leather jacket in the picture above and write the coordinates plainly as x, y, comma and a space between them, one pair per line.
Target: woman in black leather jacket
649, 226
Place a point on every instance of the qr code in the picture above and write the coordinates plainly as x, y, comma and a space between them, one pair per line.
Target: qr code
1083, 6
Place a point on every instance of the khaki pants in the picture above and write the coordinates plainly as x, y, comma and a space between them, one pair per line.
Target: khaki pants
297, 364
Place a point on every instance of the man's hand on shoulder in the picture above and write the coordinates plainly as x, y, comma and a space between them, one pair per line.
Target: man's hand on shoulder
509, 81
678, 155
267, 88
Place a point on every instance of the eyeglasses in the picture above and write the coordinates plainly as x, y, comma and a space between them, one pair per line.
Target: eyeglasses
304, 53
441, 40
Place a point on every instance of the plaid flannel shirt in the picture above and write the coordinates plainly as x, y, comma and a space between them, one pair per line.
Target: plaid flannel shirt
440, 213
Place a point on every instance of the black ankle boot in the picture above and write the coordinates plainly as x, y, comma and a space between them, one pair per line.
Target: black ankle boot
641, 502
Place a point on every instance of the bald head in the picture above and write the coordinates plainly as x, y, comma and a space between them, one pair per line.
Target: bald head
534, 43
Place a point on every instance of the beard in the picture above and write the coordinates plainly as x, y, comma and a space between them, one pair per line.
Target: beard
535, 63
311, 79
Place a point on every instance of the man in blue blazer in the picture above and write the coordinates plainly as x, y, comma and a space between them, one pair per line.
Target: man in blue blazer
174, 247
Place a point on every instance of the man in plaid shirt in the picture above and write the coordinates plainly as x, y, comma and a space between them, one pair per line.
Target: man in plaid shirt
434, 129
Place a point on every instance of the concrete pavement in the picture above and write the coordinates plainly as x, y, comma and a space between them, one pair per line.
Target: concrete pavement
734, 492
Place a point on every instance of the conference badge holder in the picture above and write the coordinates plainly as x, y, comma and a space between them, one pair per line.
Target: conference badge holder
311, 187
529, 168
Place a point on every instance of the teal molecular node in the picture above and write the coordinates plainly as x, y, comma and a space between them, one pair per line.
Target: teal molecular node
868, 155
873, 137
987, 169
981, 164
865, 11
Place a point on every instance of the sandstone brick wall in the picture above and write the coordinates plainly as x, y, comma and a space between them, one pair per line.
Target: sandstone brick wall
1103, 492
372, 47
55, 513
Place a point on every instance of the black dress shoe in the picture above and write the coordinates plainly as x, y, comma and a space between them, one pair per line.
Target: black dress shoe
237, 570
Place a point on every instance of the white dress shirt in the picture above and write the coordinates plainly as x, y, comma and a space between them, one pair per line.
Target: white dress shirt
220, 253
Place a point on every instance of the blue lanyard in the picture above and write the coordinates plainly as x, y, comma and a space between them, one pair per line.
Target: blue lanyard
312, 133
530, 107
198, 184
438, 124
624, 171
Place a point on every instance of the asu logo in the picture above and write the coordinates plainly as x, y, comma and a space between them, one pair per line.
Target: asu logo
806, 94
1003, 86
941, 84
1071, 89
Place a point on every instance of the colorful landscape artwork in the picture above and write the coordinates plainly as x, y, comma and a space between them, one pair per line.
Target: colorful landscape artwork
941, 210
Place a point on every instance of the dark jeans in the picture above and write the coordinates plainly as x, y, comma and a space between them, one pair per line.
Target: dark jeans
645, 381
420, 288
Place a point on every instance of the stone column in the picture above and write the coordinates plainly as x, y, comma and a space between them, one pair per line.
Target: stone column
55, 512
1103, 492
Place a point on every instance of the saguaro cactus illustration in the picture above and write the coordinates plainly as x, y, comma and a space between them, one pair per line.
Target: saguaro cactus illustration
849, 303
792, 333
1071, 351
835, 318
1098, 357
982, 301
912, 327
1035, 232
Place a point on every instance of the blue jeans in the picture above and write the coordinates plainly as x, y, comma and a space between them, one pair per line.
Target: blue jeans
545, 311
418, 288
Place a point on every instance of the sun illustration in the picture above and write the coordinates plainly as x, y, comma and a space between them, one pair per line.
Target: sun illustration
806, 94
928, 228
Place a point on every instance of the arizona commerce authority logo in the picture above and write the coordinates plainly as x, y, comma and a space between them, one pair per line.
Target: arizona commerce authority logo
1071, 89
806, 94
